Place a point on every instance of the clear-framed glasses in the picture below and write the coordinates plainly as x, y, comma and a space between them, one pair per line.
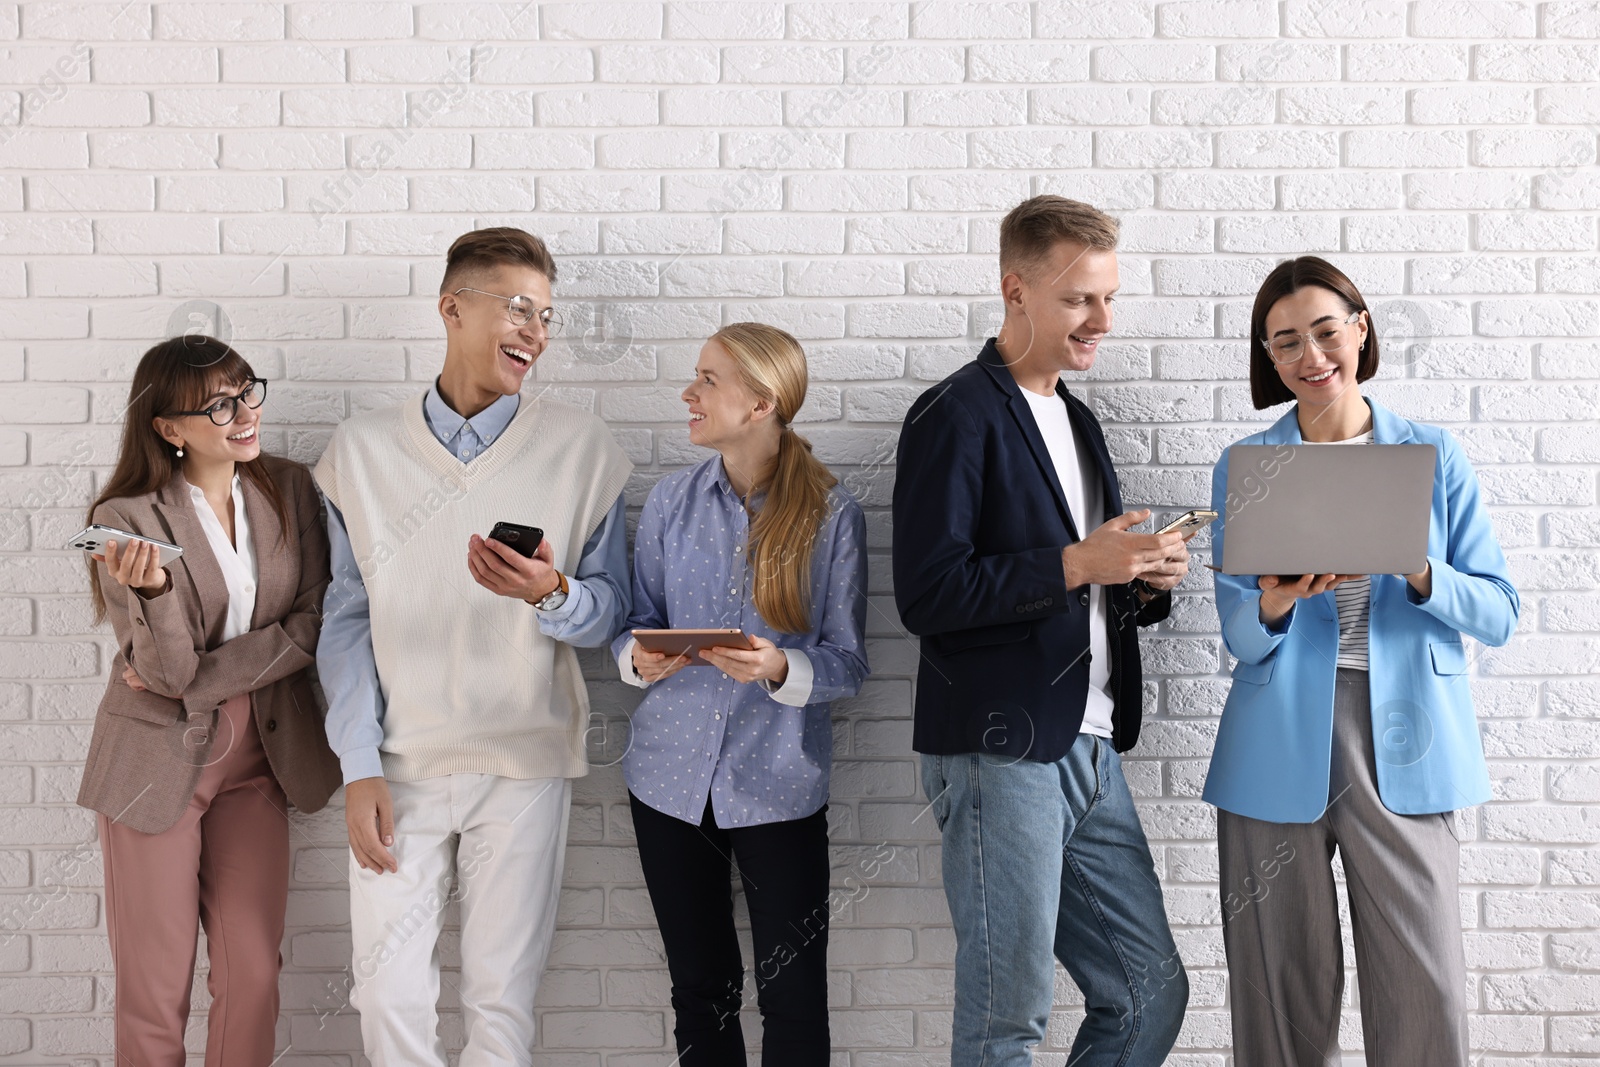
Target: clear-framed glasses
1330, 337
521, 310
226, 409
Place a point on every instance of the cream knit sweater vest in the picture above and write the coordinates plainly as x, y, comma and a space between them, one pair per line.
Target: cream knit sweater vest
470, 683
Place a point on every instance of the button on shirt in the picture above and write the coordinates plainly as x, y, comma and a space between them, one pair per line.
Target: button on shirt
238, 564
762, 755
465, 438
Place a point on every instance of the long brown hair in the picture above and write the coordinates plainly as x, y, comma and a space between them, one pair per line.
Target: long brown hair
783, 533
176, 375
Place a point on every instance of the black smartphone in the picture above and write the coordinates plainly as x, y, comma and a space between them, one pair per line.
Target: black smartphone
523, 540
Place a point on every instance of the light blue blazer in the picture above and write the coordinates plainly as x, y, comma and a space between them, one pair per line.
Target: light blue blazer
1273, 745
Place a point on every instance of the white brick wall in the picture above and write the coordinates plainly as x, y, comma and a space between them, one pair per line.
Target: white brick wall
839, 169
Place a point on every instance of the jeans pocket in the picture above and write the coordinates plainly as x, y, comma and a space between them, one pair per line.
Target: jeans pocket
937, 786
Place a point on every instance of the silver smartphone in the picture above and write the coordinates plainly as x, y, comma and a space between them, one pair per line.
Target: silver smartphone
1189, 522
93, 540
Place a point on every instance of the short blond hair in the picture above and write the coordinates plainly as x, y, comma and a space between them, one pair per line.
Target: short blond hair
1035, 226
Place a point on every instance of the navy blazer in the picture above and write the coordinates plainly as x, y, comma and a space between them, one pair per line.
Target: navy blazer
980, 520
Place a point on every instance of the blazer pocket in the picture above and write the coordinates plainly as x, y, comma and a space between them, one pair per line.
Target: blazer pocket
1254, 673
1003, 634
148, 706
1448, 657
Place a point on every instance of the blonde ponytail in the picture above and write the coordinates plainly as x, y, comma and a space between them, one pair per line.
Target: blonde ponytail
783, 533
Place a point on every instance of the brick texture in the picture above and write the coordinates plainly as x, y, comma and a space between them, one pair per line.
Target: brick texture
290, 175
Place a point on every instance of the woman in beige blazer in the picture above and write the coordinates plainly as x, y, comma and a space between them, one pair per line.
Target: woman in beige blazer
208, 728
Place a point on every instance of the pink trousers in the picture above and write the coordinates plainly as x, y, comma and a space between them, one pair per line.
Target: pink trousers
223, 866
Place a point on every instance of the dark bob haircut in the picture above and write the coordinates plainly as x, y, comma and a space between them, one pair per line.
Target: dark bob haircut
1288, 277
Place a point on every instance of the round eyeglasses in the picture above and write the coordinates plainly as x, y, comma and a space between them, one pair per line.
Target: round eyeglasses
521, 309
1329, 337
226, 409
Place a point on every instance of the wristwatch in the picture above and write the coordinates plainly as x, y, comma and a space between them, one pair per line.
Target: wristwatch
556, 597
1142, 586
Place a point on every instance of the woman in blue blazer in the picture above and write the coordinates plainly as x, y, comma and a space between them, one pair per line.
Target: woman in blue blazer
1349, 725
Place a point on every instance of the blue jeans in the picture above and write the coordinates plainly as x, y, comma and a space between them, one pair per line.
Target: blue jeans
1047, 861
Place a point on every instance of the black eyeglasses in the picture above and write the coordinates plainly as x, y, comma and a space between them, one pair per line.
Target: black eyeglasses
521, 310
226, 409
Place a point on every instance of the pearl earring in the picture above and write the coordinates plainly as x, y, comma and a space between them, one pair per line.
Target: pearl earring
180, 451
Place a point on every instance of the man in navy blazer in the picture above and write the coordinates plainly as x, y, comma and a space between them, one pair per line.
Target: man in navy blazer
1015, 564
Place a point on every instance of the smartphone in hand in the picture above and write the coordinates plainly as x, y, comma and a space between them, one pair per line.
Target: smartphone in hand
523, 540
1190, 522
93, 541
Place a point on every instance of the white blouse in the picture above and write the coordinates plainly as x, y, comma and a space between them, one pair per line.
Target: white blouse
238, 564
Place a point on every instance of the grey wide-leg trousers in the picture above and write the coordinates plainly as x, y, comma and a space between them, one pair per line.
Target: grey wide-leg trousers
1281, 920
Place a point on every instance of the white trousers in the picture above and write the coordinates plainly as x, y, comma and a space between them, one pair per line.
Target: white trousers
497, 846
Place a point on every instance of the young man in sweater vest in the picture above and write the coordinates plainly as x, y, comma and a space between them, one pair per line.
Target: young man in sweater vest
456, 705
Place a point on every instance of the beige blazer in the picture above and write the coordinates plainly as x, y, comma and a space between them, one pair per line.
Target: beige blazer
149, 747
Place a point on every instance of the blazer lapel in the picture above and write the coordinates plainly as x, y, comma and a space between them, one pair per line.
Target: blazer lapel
1286, 431
1387, 427
198, 561
1041, 455
991, 361
274, 581
1084, 429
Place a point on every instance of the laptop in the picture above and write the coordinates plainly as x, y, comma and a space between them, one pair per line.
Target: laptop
1327, 509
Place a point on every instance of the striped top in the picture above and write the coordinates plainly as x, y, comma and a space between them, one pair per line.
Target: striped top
1353, 598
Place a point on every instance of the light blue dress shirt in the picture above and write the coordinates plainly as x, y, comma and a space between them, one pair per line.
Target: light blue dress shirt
759, 757
596, 605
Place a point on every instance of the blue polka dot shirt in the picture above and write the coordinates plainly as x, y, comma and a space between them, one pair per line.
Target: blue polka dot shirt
762, 755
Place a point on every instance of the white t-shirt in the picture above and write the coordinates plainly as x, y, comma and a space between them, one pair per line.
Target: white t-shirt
1080, 480
1353, 598
238, 564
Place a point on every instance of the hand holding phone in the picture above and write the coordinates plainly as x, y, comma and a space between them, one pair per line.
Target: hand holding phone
514, 561
523, 540
1189, 523
136, 565
92, 539
1164, 575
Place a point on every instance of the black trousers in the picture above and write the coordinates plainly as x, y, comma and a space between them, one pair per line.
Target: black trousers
784, 869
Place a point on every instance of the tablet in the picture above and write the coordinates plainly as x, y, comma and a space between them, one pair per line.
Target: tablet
1323, 509
690, 642
93, 540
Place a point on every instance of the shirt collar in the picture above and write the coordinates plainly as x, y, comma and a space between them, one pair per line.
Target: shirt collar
488, 424
198, 495
719, 473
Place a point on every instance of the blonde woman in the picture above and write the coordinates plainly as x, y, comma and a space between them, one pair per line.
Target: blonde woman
728, 763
